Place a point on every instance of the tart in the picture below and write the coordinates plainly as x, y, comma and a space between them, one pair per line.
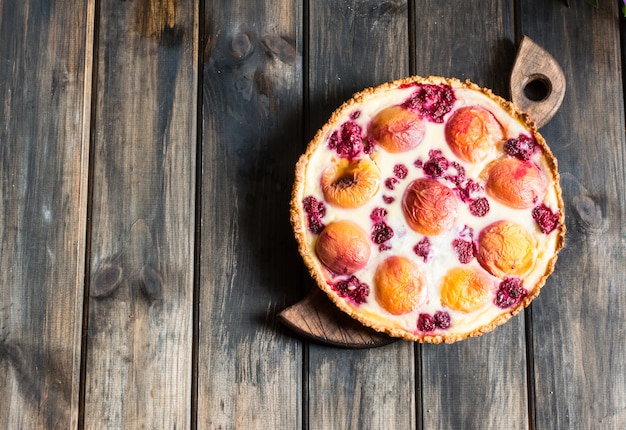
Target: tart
428, 209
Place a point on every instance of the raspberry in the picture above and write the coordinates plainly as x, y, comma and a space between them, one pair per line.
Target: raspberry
378, 214
460, 174
388, 199
390, 183
355, 114
510, 292
436, 166
442, 320
315, 211
479, 207
432, 102
425, 323
467, 233
368, 145
466, 188
400, 171
545, 218
521, 147
352, 288
381, 233
464, 250
347, 141
422, 249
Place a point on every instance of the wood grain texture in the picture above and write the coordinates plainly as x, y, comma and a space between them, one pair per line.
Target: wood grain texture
44, 149
138, 366
578, 322
249, 367
354, 45
476, 44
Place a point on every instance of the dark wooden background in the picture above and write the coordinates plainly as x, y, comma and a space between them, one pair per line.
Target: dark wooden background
146, 161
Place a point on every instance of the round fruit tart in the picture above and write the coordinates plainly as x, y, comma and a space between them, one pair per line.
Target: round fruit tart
428, 209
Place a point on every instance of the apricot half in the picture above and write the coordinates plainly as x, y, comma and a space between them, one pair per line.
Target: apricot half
506, 249
465, 289
343, 247
350, 183
472, 132
398, 285
397, 129
515, 183
429, 206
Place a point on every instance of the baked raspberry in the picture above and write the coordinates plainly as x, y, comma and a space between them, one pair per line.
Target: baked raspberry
545, 218
315, 211
467, 233
381, 233
388, 199
368, 145
378, 214
510, 292
384, 247
432, 102
425, 322
422, 249
459, 178
464, 250
521, 147
390, 183
436, 165
442, 320
348, 141
355, 114
479, 207
400, 171
466, 188
352, 288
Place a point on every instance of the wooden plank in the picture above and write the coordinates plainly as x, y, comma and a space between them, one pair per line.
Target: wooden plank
45, 66
578, 322
139, 358
477, 383
249, 368
353, 45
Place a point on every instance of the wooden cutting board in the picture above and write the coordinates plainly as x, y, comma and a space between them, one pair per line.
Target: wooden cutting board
537, 87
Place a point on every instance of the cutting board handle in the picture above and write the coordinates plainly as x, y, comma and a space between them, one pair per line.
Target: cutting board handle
537, 82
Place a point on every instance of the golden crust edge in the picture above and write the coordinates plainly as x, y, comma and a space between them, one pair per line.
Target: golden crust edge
296, 215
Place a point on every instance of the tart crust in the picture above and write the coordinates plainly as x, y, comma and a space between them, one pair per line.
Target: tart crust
299, 219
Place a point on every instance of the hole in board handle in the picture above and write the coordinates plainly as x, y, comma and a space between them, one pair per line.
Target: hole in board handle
537, 88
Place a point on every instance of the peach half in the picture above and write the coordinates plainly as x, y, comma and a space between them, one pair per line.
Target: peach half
350, 183
398, 285
465, 289
397, 129
472, 132
515, 183
506, 249
429, 206
343, 247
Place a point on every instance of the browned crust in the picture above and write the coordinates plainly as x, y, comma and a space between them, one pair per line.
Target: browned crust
299, 224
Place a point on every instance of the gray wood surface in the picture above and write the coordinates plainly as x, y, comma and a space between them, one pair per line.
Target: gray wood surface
146, 161
139, 345
579, 321
249, 369
45, 84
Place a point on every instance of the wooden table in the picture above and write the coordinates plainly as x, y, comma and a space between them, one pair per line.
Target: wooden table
146, 159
